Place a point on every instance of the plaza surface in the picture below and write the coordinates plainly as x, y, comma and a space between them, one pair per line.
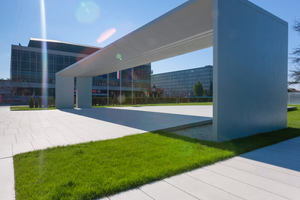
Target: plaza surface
23, 131
269, 173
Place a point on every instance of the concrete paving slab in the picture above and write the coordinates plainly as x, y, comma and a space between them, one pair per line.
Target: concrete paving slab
74, 139
232, 186
199, 189
24, 130
41, 144
39, 136
267, 166
7, 139
3, 125
11, 131
104, 198
7, 180
285, 160
286, 148
5, 151
163, 191
134, 194
58, 142
23, 138
14, 125
22, 147
278, 150
264, 172
266, 184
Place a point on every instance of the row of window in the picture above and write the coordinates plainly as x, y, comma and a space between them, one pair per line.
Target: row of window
21, 55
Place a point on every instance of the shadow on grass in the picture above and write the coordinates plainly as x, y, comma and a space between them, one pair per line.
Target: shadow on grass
247, 144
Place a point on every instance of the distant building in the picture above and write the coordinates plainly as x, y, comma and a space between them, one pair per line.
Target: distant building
181, 83
27, 70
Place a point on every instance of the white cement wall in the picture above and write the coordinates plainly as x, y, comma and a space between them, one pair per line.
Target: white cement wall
64, 92
83, 92
250, 70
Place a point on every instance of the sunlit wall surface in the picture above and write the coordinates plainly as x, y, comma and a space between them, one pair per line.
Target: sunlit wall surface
181, 83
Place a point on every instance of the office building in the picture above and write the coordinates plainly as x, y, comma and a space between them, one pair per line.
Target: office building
27, 69
181, 83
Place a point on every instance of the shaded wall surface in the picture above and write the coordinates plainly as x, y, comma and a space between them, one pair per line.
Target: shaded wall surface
250, 70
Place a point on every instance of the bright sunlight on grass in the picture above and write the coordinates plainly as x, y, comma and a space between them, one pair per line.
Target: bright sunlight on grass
96, 169
20, 108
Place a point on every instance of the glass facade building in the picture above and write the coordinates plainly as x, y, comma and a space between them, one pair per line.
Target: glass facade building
27, 69
181, 83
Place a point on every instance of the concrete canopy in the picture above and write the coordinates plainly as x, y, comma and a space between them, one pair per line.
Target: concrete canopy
187, 28
249, 69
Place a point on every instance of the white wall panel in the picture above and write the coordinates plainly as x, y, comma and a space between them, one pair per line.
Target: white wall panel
250, 70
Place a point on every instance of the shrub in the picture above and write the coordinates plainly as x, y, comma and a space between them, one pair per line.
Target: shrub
31, 102
36, 103
51, 102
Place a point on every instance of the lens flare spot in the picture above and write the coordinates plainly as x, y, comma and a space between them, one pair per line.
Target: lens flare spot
106, 34
87, 12
119, 56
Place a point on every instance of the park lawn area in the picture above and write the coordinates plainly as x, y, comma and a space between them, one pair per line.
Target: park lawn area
97, 169
20, 108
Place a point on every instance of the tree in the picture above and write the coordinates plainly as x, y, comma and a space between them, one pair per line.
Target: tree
204, 92
36, 103
154, 86
198, 89
295, 75
31, 102
211, 88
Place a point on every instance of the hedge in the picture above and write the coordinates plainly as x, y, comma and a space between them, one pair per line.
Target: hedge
148, 100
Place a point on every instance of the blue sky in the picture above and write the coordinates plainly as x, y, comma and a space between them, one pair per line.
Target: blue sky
67, 20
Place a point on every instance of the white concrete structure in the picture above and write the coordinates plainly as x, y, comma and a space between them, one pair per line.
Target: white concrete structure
250, 60
250, 70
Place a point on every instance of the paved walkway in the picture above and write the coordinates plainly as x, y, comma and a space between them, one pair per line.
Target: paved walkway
269, 173
23, 131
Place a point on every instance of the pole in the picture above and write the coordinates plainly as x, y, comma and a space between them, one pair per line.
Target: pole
107, 89
120, 86
132, 85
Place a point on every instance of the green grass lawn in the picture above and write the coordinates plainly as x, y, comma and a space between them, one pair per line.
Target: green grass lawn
20, 108
97, 169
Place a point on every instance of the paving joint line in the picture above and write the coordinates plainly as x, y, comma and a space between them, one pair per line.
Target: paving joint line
139, 188
6, 157
180, 189
262, 167
214, 186
250, 184
265, 177
255, 175
282, 151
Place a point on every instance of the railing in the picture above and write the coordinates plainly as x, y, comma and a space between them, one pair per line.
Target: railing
294, 98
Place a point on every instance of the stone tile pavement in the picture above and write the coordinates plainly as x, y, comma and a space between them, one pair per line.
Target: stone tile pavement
269, 173
23, 131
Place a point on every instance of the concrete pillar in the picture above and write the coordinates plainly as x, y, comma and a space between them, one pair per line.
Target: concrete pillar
250, 70
84, 92
64, 92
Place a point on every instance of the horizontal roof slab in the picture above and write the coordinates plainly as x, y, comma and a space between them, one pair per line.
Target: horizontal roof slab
184, 29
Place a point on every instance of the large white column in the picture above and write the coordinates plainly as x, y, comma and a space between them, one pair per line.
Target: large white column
250, 70
64, 92
84, 92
